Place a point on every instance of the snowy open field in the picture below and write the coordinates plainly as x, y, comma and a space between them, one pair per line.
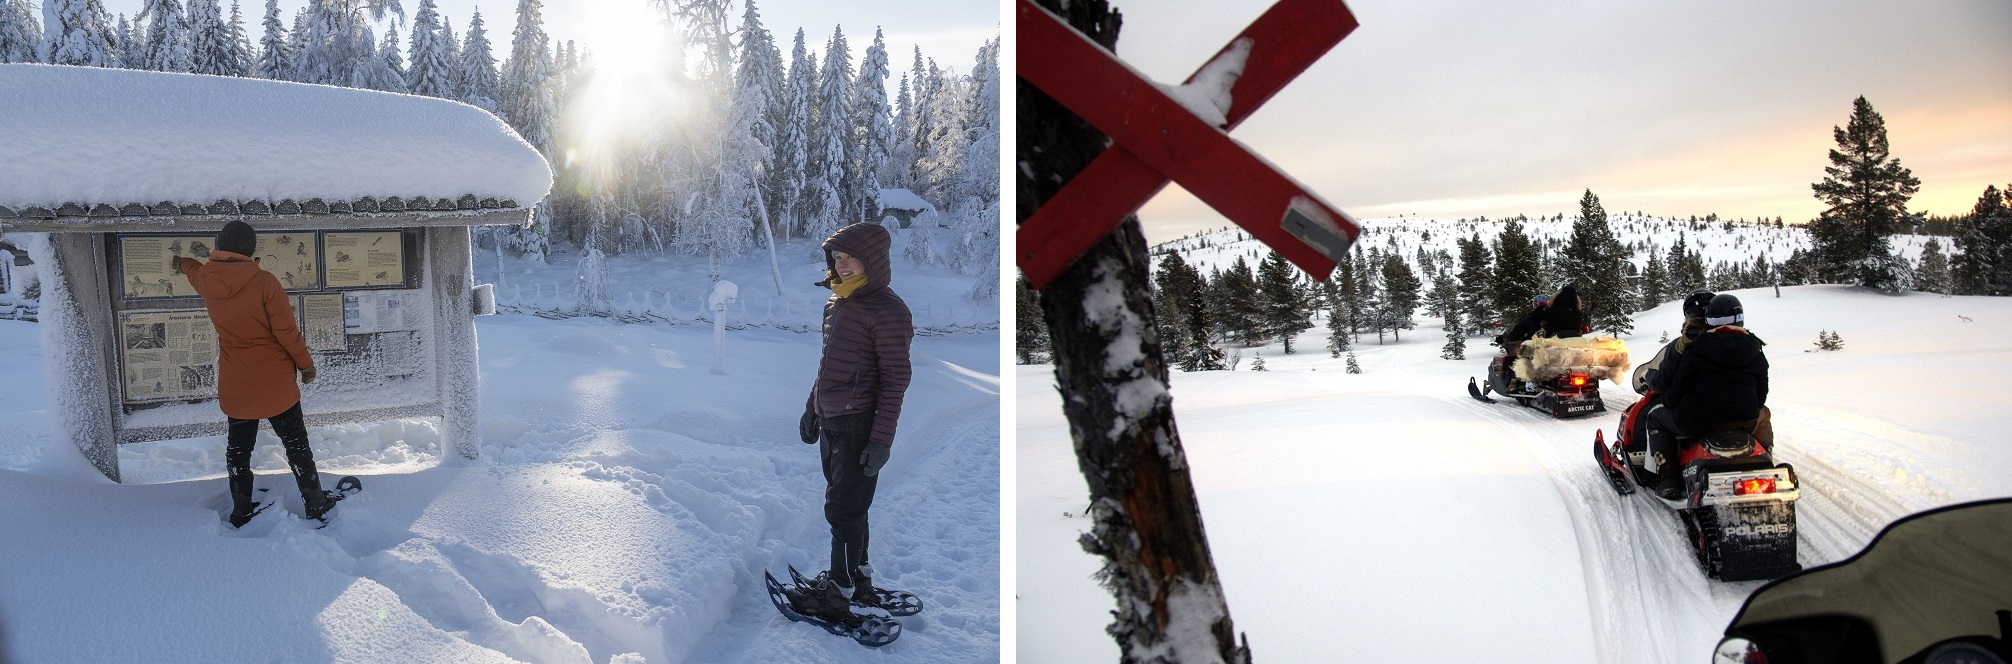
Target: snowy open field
624, 505
1386, 516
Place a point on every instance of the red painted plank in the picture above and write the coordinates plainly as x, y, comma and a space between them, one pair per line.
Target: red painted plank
1162, 136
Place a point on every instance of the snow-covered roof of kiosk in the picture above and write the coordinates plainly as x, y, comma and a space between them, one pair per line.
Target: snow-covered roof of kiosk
90, 149
903, 199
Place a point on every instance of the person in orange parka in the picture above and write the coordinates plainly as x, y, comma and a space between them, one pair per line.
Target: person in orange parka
259, 351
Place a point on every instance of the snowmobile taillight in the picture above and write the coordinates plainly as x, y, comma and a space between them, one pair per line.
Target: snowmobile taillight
1578, 380
1753, 486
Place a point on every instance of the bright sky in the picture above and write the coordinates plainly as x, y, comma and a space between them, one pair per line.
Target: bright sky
948, 30
1457, 109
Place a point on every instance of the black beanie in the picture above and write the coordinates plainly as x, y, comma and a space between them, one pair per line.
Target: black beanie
237, 237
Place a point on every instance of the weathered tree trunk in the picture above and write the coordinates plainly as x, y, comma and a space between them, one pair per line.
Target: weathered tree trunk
1148, 526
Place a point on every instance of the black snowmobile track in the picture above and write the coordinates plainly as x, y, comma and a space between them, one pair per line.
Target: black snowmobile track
894, 602
870, 631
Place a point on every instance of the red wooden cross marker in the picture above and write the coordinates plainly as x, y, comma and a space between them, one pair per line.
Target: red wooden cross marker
1156, 139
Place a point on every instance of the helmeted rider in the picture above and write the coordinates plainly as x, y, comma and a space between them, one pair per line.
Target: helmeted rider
1719, 382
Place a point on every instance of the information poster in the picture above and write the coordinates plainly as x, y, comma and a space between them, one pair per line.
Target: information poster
149, 265
168, 355
322, 322
364, 259
373, 312
291, 257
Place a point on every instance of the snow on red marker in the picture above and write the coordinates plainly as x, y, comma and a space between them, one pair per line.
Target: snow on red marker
112, 136
1207, 94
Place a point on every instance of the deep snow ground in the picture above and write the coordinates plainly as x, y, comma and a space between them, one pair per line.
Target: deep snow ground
625, 504
1387, 516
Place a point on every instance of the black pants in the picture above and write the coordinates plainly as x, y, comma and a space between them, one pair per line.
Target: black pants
292, 434
848, 492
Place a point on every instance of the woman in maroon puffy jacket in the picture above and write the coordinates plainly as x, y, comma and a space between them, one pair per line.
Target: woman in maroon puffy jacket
856, 399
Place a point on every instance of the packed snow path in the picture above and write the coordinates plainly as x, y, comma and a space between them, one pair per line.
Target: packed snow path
624, 506
1388, 516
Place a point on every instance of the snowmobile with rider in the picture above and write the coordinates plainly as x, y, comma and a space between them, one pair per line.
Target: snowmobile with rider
1548, 363
1736, 503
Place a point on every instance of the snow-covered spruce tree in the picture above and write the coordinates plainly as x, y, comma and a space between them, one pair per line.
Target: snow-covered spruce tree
590, 280
476, 81
1257, 362
832, 143
978, 172
167, 37
339, 41
127, 40
1687, 269
20, 32
376, 72
1867, 191
793, 136
432, 72
241, 48
275, 57
1933, 274
1030, 333
1236, 297
872, 128
528, 106
1146, 522
1476, 270
389, 52
757, 63
1592, 260
899, 169
1456, 336
296, 48
1400, 287
1185, 315
1281, 303
1655, 280
209, 39
72, 35
1982, 260
1517, 272
1169, 312
1353, 367
1337, 327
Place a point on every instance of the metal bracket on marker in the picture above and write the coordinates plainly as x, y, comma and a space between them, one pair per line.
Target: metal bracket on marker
1308, 222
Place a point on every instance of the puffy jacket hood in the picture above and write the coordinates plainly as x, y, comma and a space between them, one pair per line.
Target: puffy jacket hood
869, 242
227, 273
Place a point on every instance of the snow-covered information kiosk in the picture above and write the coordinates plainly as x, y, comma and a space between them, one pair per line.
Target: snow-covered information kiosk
362, 201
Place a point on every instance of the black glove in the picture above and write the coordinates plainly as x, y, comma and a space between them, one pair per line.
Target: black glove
807, 427
874, 457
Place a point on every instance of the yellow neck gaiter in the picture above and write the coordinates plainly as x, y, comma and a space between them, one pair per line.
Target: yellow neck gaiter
845, 288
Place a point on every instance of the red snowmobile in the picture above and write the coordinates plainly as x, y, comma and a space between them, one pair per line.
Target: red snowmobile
1738, 506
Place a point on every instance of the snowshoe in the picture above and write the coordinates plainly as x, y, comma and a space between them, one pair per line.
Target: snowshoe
894, 602
239, 520
801, 603
347, 486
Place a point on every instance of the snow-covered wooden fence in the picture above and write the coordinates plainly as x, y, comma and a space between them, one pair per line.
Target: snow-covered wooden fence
751, 310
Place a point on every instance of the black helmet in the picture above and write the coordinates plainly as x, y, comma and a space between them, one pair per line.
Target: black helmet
1694, 306
1725, 310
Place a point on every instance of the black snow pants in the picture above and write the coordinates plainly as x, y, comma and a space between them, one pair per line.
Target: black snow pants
848, 492
292, 432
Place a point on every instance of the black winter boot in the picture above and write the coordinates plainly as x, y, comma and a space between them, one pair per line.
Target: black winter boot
1671, 479
826, 599
318, 503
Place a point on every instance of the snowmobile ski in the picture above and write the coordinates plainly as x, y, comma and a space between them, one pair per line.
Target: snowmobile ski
869, 630
1476, 391
894, 602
